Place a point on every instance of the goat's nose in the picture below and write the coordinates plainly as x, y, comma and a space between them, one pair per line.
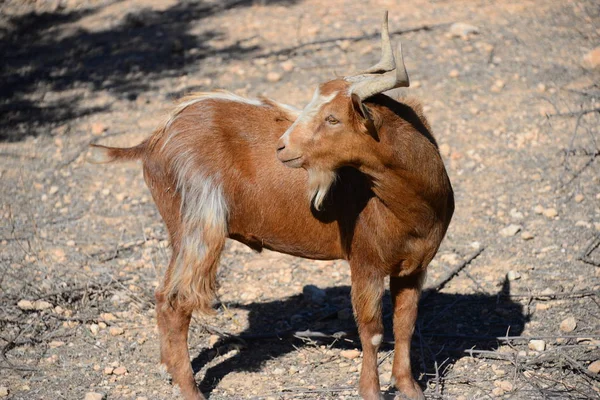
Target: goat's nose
280, 145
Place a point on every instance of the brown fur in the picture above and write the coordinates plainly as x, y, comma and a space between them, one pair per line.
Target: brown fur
386, 211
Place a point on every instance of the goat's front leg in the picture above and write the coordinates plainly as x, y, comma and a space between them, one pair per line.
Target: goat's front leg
367, 292
405, 292
173, 325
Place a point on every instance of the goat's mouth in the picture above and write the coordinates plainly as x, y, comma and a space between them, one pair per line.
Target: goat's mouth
295, 162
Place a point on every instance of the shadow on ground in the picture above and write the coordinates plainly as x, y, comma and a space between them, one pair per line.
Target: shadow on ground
48, 67
448, 325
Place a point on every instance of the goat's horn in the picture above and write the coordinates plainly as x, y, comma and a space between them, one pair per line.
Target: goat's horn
384, 75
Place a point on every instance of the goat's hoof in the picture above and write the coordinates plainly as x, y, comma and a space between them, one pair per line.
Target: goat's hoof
409, 390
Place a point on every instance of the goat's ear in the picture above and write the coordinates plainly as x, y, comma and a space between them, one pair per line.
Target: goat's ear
364, 116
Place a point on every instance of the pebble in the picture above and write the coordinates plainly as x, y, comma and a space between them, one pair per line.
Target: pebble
497, 392
504, 385
568, 324
313, 294
4, 391
53, 190
537, 345
527, 235
42, 305
513, 275
116, 331
273, 76
93, 396
538, 209
56, 343
212, 340
98, 128
579, 198
120, 371
25, 305
594, 367
94, 328
452, 258
454, 73
510, 230
542, 306
287, 66
278, 371
550, 212
108, 370
350, 354
462, 30
591, 60
108, 317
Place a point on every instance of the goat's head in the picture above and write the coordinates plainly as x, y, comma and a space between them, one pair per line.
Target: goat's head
334, 128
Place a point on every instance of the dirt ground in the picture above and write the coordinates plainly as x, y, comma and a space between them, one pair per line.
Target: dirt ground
514, 107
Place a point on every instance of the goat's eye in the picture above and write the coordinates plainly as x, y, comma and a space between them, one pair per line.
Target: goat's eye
332, 120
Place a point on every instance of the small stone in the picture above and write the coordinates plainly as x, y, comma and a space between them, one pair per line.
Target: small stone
4, 392
538, 209
25, 305
592, 59
108, 370
462, 30
116, 331
273, 76
454, 73
278, 371
94, 328
497, 392
542, 306
108, 317
568, 324
510, 230
452, 258
70, 243
287, 66
579, 198
513, 275
212, 340
550, 212
53, 190
504, 385
41, 305
313, 294
537, 345
56, 343
120, 371
594, 367
527, 235
98, 128
93, 396
350, 354
515, 214
541, 87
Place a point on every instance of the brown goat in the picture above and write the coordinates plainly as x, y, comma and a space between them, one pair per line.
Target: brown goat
379, 197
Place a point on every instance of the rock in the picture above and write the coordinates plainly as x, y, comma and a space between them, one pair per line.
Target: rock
108, 370
550, 212
504, 385
287, 66
42, 305
515, 214
107, 317
568, 325
594, 367
513, 275
116, 331
462, 30
4, 392
537, 345
538, 209
94, 328
452, 258
278, 371
454, 73
527, 235
93, 396
313, 294
497, 392
25, 305
542, 306
350, 354
579, 198
510, 230
56, 343
212, 340
53, 190
120, 371
592, 59
98, 128
273, 76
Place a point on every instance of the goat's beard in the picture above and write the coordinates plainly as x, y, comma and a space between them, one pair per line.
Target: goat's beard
319, 183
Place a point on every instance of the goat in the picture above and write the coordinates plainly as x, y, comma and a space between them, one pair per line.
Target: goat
223, 166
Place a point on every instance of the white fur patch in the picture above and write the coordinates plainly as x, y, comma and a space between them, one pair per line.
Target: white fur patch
376, 339
98, 155
319, 183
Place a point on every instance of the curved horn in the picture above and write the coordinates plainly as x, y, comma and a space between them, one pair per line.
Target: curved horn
384, 75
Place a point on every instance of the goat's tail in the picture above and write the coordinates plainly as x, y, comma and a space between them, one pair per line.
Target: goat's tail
99, 154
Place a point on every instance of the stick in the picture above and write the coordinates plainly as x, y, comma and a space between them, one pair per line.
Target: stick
450, 274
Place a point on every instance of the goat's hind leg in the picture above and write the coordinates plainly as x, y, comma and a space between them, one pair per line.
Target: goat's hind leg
189, 285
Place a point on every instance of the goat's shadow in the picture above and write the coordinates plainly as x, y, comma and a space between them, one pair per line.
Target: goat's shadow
448, 324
